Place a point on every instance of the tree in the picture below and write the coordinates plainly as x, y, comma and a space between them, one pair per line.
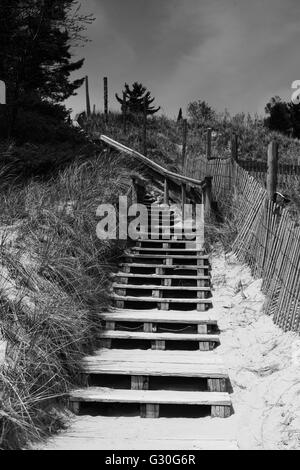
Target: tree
136, 99
279, 116
201, 113
35, 48
179, 118
295, 119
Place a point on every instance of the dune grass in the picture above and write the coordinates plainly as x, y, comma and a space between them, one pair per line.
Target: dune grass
163, 134
54, 281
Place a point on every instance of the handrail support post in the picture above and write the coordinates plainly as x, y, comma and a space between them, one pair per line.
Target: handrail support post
183, 199
208, 196
166, 192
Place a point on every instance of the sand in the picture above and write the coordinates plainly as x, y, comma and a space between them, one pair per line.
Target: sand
264, 369
263, 361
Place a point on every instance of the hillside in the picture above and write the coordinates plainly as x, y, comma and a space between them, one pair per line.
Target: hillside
54, 278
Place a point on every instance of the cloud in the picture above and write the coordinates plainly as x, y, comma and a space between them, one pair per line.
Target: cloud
159, 33
232, 53
248, 59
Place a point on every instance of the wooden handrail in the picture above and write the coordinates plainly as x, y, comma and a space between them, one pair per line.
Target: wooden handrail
161, 170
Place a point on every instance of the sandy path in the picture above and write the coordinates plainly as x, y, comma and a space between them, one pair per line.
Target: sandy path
264, 368
134, 433
263, 361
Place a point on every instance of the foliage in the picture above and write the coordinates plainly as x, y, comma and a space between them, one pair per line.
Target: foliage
201, 113
163, 138
179, 118
279, 116
283, 117
137, 100
35, 47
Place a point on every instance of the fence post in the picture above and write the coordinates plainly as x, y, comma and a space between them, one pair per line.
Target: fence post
208, 196
166, 192
234, 148
87, 93
184, 144
105, 80
145, 128
183, 199
272, 169
124, 113
208, 143
134, 190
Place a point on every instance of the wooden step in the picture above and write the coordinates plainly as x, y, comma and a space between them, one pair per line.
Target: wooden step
153, 367
164, 256
164, 226
161, 316
154, 287
117, 334
177, 230
174, 267
158, 211
173, 242
159, 276
165, 215
160, 397
168, 238
179, 300
168, 357
159, 207
172, 250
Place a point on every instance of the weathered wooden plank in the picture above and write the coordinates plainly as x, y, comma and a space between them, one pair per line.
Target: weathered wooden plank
154, 369
158, 336
154, 316
161, 300
108, 395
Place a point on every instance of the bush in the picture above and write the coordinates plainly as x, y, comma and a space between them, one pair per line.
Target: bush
35, 127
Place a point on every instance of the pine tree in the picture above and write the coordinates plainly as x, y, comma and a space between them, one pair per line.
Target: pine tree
137, 98
35, 43
179, 118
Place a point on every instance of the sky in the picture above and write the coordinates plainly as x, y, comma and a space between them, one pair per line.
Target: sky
234, 54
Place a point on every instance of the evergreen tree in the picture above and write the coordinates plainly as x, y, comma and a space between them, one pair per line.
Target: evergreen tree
279, 116
35, 42
179, 118
136, 98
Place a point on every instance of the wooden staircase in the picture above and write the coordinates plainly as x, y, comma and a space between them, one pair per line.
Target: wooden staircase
158, 345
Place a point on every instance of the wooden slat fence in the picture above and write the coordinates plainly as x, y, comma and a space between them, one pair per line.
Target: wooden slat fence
287, 174
268, 239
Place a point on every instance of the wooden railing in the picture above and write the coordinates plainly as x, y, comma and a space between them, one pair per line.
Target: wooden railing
188, 187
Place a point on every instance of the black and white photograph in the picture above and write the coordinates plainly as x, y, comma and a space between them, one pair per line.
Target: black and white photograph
149, 228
